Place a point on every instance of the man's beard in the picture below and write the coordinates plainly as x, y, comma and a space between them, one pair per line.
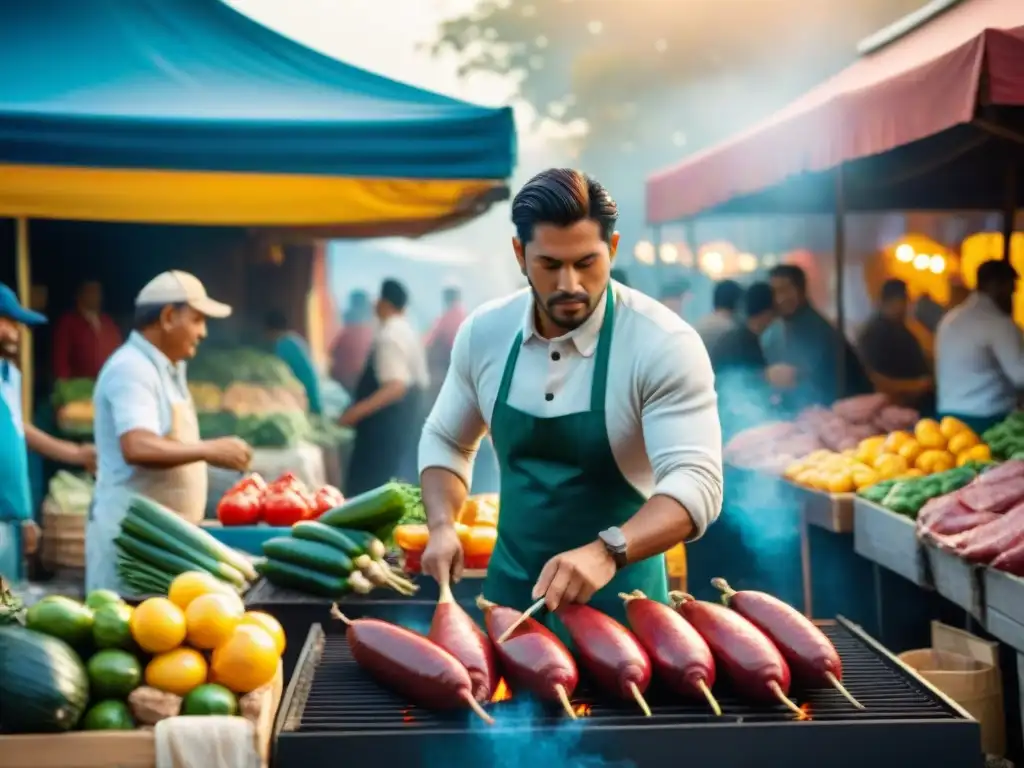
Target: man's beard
548, 308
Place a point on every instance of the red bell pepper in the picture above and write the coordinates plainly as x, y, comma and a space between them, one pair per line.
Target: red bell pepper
327, 498
285, 507
240, 508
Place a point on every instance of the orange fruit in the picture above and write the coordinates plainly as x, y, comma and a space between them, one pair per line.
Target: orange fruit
269, 623
187, 586
158, 625
246, 661
177, 671
211, 619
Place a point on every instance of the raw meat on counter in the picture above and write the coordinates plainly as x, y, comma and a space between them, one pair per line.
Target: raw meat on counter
772, 447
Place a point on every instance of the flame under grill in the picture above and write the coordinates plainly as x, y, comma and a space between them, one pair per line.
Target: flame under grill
332, 702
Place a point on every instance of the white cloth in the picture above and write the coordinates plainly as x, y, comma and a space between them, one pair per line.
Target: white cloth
211, 741
979, 359
398, 354
661, 409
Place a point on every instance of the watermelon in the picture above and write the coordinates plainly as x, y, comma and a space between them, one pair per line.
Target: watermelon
43, 684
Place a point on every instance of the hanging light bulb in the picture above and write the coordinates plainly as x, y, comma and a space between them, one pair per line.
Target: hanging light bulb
922, 261
541, 41
712, 262
595, 27
668, 253
938, 264
644, 252
770, 260
746, 262
528, 10
661, 45
905, 253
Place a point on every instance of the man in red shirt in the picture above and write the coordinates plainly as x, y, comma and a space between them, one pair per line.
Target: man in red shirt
84, 337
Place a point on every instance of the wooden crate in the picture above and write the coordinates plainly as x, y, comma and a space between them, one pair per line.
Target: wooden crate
890, 540
116, 749
957, 580
831, 511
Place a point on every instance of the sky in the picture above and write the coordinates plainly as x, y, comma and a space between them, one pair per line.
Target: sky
389, 37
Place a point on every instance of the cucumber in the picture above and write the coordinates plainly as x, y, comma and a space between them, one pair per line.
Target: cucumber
367, 542
150, 534
309, 554
304, 579
369, 511
311, 530
193, 535
147, 553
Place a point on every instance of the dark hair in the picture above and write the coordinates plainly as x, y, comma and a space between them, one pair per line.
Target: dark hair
563, 197
619, 275
728, 294
994, 273
149, 314
791, 272
894, 289
394, 293
275, 320
674, 289
758, 299
450, 294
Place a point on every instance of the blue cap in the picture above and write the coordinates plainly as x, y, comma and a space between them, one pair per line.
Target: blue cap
11, 308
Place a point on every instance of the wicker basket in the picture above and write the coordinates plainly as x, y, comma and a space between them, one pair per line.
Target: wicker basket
63, 543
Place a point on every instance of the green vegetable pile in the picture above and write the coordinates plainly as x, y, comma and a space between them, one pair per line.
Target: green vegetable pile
906, 497
272, 430
71, 493
71, 391
1006, 439
225, 366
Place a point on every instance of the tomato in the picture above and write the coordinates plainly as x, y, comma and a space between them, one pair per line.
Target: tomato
288, 480
284, 507
327, 498
253, 482
240, 508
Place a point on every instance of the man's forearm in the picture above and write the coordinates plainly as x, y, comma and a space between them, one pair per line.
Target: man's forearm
657, 526
145, 449
390, 393
49, 446
444, 493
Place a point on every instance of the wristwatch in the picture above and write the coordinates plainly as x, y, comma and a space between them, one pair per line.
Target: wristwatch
614, 541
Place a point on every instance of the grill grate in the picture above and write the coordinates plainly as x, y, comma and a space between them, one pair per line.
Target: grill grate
333, 707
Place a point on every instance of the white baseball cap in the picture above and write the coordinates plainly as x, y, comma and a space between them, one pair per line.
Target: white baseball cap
177, 287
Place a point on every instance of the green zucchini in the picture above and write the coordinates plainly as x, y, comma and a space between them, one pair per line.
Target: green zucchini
369, 511
309, 554
367, 542
190, 534
147, 553
311, 530
145, 531
305, 579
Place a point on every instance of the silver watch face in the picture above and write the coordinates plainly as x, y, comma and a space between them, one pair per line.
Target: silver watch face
614, 539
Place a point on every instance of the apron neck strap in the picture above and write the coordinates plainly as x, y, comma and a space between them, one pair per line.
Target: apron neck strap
599, 385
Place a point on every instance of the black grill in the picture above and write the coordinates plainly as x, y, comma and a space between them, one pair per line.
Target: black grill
333, 711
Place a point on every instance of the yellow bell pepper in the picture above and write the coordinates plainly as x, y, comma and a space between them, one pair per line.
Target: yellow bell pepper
962, 441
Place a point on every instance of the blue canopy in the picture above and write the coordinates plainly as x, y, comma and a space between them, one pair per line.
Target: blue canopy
193, 85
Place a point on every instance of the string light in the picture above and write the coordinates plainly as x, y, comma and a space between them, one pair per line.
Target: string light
661, 45
905, 253
668, 253
746, 262
712, 262
644, 252
938, 264
595, 27
541, 41
922, 261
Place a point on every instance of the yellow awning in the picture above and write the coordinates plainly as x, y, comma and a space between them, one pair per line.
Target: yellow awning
230, 199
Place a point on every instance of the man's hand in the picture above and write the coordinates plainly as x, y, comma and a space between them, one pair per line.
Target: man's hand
443, 557
229, 453
85, 456
781, 376
574, 576
349, 418
30, 534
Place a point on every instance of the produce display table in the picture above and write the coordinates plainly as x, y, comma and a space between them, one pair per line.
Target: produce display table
297, 611
957, 580
890, 541
833, 574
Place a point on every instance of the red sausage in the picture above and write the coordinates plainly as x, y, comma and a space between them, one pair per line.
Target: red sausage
454, 630
533, 658
614, 658
410, 664
810, 655
680, 656
744, 652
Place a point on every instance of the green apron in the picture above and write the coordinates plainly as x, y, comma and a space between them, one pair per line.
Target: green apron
560, 487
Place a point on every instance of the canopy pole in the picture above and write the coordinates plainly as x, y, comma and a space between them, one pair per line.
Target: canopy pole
24, 267
1009, 207
839, 223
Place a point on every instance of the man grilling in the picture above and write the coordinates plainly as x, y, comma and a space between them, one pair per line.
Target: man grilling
601, 405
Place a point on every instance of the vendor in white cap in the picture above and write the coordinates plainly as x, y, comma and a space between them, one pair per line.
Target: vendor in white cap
147, 434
